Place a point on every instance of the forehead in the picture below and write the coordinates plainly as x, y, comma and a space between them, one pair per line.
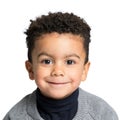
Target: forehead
63, 35
59, 43
56, 37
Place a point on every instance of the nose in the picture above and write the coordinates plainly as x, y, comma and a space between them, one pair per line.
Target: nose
58, 70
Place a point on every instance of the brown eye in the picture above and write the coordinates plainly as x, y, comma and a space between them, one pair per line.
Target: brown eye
46, 61
70, 62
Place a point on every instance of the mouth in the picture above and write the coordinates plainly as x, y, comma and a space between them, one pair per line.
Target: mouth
58, 84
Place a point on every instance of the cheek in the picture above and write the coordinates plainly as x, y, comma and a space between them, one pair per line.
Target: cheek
75, 75
39, 77
40, 73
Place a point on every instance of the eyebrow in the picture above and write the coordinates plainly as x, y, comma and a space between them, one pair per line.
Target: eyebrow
67, 56
72, 55
44, 54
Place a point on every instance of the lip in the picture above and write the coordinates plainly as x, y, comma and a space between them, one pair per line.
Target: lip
58, 84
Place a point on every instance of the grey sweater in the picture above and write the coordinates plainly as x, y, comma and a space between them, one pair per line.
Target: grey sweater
90, 107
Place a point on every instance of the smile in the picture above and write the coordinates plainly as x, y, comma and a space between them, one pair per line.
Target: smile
58, 84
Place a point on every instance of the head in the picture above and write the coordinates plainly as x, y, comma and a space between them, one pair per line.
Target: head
58, 53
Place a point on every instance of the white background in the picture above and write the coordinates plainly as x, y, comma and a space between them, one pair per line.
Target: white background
104, 18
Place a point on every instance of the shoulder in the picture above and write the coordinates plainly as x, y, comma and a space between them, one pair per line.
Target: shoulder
19, 111
96, 107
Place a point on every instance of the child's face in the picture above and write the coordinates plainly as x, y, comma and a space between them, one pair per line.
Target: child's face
58, 64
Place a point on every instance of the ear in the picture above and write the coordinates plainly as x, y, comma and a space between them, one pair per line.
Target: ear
85, 71
29, 68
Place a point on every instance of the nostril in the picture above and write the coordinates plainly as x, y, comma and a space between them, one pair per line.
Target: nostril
57, 73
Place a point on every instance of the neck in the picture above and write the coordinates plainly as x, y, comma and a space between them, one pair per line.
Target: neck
68, 105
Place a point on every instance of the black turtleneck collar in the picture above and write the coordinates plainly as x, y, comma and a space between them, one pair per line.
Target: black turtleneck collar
51, 109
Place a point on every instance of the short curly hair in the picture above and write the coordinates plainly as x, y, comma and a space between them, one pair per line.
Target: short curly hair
57, 22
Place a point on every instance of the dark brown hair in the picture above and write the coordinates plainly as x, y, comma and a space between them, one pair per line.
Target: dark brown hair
57, 22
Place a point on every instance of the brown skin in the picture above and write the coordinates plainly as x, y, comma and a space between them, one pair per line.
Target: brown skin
58, 64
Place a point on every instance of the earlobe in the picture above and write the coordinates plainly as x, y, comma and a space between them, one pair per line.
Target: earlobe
29, 68
85, 71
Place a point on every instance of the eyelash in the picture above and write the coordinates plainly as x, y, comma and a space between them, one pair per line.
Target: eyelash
70, 62
48, 61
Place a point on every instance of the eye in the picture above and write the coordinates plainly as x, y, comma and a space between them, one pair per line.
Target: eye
46, 61
70, 62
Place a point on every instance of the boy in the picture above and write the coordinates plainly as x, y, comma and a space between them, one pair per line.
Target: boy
58, 50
